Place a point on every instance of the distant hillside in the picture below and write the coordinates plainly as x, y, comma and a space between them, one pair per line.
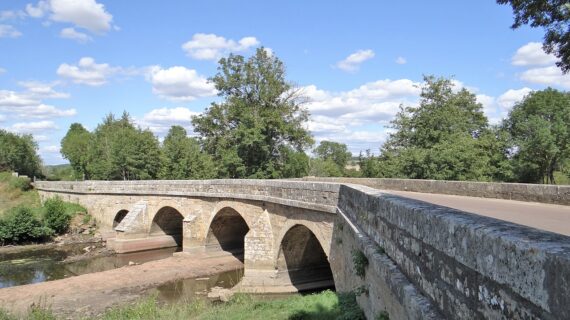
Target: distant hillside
59, 172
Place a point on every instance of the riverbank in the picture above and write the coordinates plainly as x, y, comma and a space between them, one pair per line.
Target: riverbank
89, 295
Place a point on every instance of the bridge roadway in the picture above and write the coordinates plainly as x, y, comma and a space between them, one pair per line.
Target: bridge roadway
549, 217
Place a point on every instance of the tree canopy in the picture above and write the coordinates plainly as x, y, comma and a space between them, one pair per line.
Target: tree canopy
554, 16
19, 153
259, 124
540, 130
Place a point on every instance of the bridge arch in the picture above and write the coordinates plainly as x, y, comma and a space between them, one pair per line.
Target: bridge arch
119, 216
227, 230
302, 258
167, 221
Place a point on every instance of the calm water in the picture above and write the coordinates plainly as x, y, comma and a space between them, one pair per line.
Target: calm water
48, 264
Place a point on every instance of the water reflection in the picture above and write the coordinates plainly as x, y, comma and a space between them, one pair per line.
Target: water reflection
48, 264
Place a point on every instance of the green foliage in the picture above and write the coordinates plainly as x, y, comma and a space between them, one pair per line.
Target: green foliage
446, 137
360, 290
325, 168
61, 172
554, 17
259, 116
19, 153
56, 216
349, 307
383, 315
75, 147
540, 132
337, 152
360, 262
20, 225
182, 157
20, 183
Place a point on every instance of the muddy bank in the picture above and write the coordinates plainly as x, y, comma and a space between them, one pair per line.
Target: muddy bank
90, 294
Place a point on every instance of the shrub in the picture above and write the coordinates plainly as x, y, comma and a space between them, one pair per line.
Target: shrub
349, 309
20, 183
56, 216
20, 225
360, 263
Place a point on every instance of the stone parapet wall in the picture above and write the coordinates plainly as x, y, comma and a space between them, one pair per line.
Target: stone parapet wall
510, 191
471, 267
310, 195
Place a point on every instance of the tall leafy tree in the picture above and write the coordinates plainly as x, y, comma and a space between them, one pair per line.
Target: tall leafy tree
445, 137
259, 117
540, 130
554, 16
183, 158
19, 153
75, 148
334, 151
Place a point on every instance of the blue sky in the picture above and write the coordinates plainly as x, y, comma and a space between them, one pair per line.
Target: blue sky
65, 61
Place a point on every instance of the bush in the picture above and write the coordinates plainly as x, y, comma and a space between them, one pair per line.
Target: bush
56, 216
360, 263
21, 183
20, 225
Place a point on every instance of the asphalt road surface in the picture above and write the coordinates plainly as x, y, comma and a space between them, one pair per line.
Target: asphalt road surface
549, 217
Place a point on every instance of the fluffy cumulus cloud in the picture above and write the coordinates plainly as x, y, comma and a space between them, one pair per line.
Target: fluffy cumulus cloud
50, 149
540, 67
353, 61
497, 108
532, 54
87, 72
8, 31
341, 116
71, 33
160, 120
29, 104
86, 14
33, 127
212, 47
179, 83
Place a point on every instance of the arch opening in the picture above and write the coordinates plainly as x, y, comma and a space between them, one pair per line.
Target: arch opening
119, 217
168, 221
227, 232
302, 260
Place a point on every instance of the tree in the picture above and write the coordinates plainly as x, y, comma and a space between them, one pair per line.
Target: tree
445, 137
183, 158
540, 130
260, 117
334, 151
19, 153
120, 151
554, 16
75, 148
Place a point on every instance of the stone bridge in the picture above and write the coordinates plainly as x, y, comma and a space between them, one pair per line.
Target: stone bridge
412, 259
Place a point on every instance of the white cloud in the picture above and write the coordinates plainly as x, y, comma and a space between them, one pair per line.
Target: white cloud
401, 60
507, 100
532, 54
212, 47
2, 70
49, 149
8, 31
71, 33
353, 61
86, 14
551, 76
87, 72
160, 120
179, 83
40, 138
12, 15
373, 101
2, 118
33, 127
28, 104
42, 90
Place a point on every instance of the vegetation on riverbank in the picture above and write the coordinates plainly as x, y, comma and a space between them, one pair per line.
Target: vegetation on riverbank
326, 305
24, 220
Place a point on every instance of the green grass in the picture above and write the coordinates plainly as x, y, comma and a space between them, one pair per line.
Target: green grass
11, 195
326, 305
